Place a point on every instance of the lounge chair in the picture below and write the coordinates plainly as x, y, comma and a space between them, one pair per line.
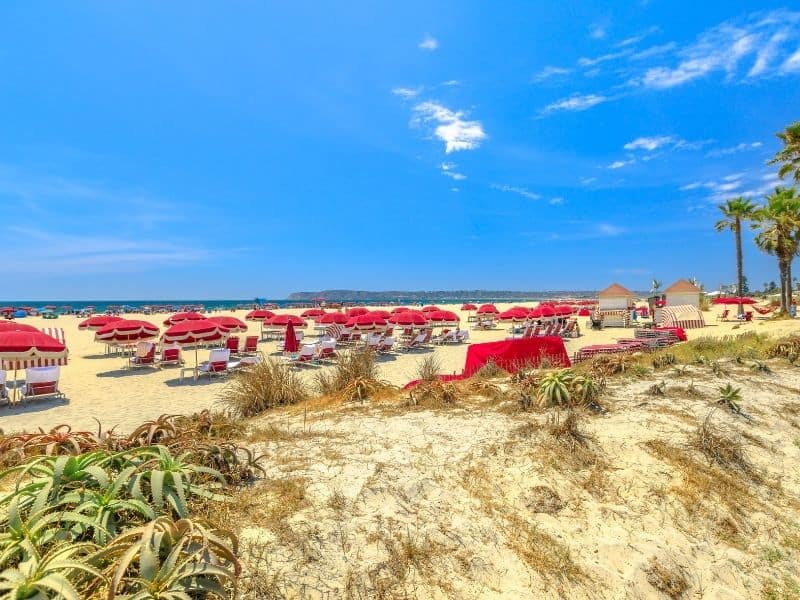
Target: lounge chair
308, 353
570, 329
386, 344
251, 344
41, 382
327, 350
748, 316
217, 364
145, 355
724, 315
462, 336
170, 355
374, 341
232, 344
3, 388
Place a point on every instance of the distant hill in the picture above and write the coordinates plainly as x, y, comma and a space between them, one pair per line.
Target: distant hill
436, 295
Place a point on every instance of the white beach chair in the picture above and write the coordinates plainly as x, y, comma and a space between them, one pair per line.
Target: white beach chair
327, 350
308, 353
145, 355
41, 382
218, 363
386, 344
3, 388
462, 336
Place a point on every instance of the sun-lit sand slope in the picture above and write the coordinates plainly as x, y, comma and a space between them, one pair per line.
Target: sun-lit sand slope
99, 386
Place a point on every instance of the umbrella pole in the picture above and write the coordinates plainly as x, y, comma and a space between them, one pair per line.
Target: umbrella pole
16, 393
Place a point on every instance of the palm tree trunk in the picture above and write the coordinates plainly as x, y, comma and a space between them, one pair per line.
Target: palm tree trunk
739, 266
789, 284
782, 268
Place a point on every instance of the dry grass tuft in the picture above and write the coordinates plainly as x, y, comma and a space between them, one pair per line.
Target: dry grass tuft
543, 499
354, 377
723, 448
670, 579
262, 387
433, 394
428, 368
490, 370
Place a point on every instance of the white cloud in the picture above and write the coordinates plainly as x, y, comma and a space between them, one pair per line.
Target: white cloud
590, 62
556, 201
550, 71
733, 149
635, 39
575, 102
653, 51
405, 92
597, 31
457, 132
691, 186
588, 180
448, 169
618, 164
650, 143
609, 230
454, 189
725, 47
451, 82
792, 63
517, 190
429, 43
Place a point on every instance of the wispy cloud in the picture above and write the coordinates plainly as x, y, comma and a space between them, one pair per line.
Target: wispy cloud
406, 92
735, 184
635, 39
733, 149
597, 31
517, 190
650, 143
766, 41
575, 102
428, 43
618, 164
451, 126
609, 230
556, 201
449, 170
590, 62
652, 51
550, 71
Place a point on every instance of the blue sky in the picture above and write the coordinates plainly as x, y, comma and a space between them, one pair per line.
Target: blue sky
233, 150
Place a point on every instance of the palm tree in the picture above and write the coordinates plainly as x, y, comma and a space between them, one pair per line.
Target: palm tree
789, 156
778, 224
735, 211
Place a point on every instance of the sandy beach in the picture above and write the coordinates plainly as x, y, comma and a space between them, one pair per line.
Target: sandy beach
99, 386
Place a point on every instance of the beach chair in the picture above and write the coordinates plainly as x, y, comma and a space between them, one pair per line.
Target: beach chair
373, 341
251, 344
217, 363
308, 353
569, 329
724, 315
344, 336
386, 345
462, 336
145, 355
232, 344
748, 316
327, 350
3, 388
170, 355
41, 382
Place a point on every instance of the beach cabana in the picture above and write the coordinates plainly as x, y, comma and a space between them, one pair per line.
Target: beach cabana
684, 317
682, 293
615, 297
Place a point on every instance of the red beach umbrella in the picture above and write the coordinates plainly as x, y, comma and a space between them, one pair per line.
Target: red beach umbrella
260, 314
399, 309
488, 309
97, 322
443, 317
409, 318
356, 311
468, 307
126, 331
563, 310
284, 320
183, 316
14, 326
734, 300
195, 331
312, 313
431, 308
383, 314
367, 322
333, 318
290, 343
232, 324
584, 312
542, 311
514, 315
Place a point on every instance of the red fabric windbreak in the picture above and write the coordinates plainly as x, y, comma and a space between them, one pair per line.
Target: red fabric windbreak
510, 355
513, 354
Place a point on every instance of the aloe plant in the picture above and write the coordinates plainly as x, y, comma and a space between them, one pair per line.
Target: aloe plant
731, 397
176, 558
52, 575
554, 388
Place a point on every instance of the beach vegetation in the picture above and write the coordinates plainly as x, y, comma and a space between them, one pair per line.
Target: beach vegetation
428, 368
263, 387
735, 212
669, 579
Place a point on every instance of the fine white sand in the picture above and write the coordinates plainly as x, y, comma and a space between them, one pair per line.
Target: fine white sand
98, 386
